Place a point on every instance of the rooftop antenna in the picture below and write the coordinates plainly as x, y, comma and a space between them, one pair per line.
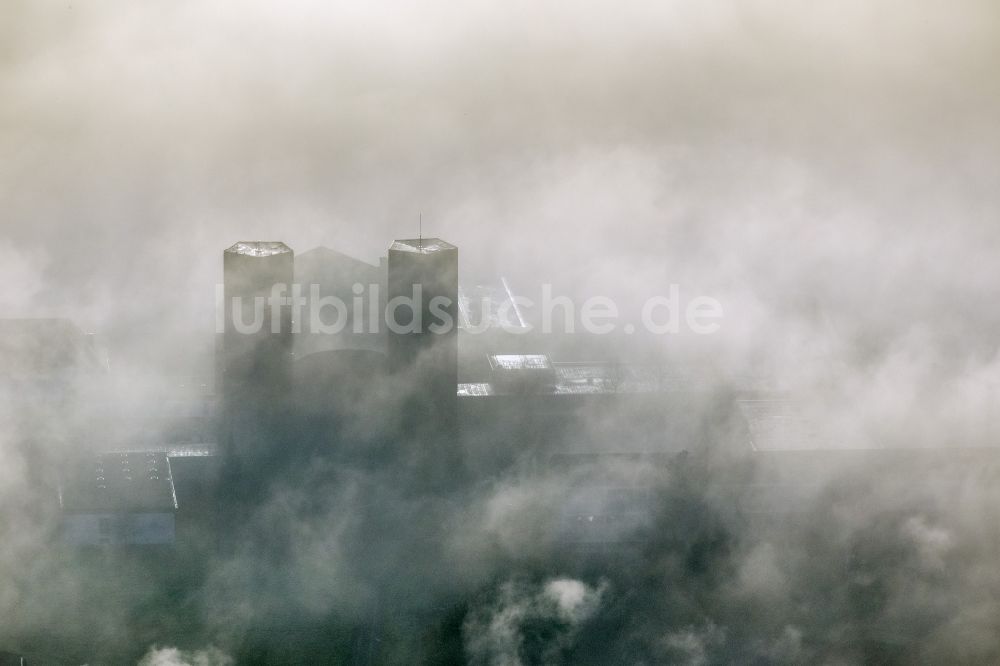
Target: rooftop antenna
420, 236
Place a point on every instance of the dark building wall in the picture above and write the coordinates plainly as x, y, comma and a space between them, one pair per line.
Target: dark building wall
251, 270
256, 367
433, 265
424, 363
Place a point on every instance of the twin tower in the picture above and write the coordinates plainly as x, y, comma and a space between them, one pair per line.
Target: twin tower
255, 363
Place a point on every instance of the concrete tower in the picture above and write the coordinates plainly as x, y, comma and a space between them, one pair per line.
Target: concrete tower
257, 343
255, 363
423, 355
425, 270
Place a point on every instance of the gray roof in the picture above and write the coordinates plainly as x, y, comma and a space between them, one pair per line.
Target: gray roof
477, 389
421, 245
779, 425
520, 362
583, 378
119, 482
259, 248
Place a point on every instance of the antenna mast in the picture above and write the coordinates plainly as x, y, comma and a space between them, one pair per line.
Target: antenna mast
420, 236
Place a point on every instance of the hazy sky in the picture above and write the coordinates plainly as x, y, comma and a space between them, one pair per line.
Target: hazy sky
829, 171
739, 147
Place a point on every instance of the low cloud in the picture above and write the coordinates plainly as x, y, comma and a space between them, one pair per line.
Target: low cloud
171, 656
524, 623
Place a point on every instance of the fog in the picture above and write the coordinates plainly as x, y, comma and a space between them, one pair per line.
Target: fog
829, 174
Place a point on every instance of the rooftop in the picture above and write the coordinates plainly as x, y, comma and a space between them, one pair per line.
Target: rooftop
779, 425
580, 378
259, 248
520, 362
421, 245
119, 482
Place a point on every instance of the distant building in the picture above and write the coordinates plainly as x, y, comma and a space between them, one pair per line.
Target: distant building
256, 348
50, 366
422, 315
256, 365
779, 425
512, 374
119, 499
522, 373
335, 274
429, 267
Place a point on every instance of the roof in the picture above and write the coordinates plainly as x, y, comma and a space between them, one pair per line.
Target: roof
477, 389
581, 378
119, 482
203, 449
323, 256
259, 248
520, 362
779, 425
607, 514
421, 245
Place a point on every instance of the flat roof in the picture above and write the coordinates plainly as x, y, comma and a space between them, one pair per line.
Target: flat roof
779, 425
520, 362
259, 248
583, 378
477, 389
421, 245
119, 482
198, 449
